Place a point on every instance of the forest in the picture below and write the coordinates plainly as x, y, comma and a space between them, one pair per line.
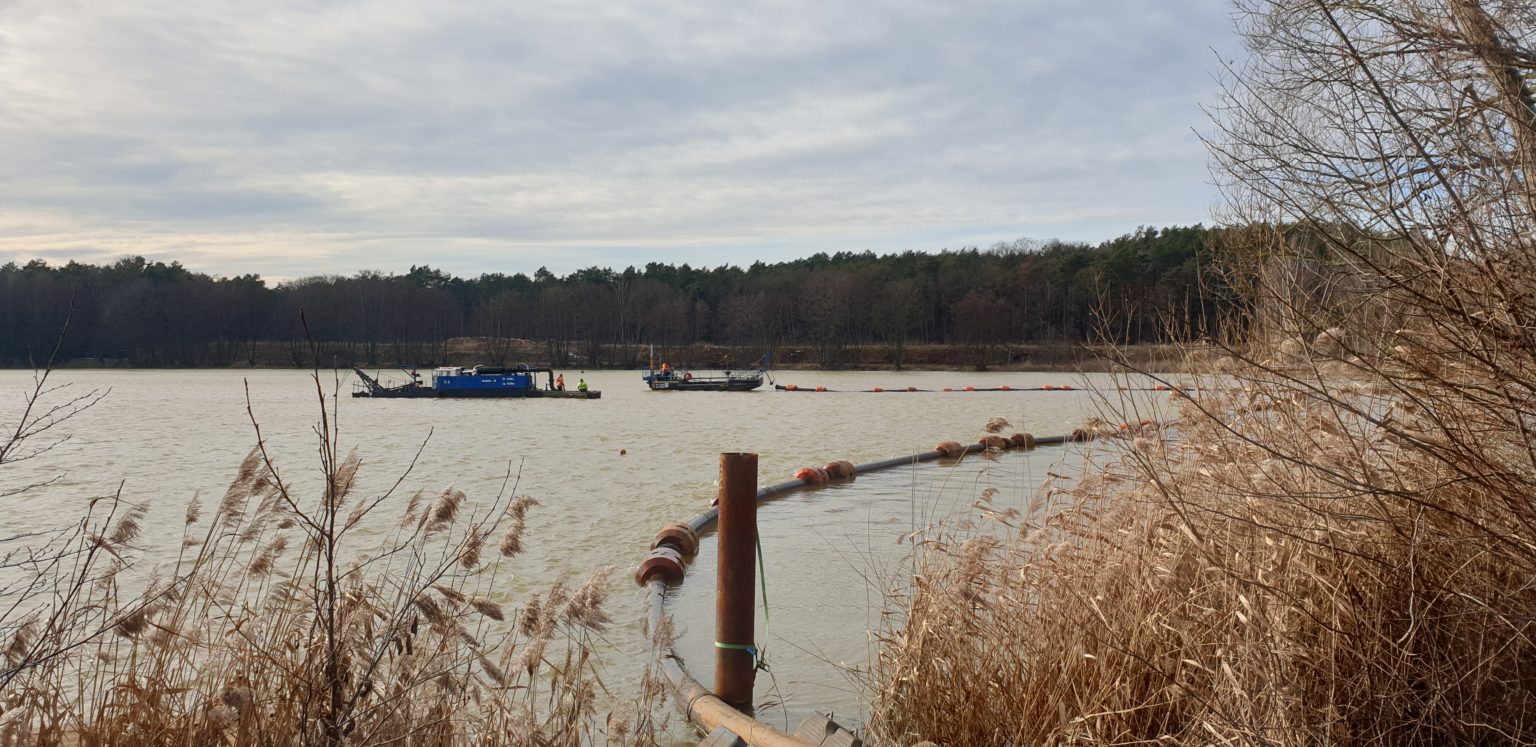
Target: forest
1149, 286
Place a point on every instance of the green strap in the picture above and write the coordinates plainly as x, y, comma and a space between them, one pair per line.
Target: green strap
757, 654
762, 578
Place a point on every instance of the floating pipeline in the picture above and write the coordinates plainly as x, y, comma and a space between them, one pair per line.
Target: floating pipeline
666, 566
1000, 388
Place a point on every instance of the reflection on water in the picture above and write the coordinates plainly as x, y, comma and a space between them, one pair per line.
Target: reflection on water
609, 473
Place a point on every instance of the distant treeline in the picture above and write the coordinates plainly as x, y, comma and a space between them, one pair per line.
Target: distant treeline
1144, 287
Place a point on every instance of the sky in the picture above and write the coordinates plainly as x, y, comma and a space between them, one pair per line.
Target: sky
295, 138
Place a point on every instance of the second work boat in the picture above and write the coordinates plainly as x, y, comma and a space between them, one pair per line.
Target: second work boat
673, 380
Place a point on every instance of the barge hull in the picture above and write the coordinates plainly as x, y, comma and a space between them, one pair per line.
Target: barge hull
481, 382
429, 393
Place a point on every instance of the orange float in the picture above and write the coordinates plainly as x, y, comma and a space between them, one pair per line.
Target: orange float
841, 469
811, 475
951, 449
679, 537
664, 563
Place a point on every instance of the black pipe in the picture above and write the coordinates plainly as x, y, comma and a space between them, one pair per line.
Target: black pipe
687, 691
706, 519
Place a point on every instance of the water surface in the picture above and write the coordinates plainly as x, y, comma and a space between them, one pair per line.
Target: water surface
609, 473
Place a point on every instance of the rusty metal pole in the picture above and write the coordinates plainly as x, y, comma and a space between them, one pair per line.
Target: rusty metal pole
736, 586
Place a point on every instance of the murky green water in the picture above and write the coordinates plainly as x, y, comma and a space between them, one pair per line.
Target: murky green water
609, 473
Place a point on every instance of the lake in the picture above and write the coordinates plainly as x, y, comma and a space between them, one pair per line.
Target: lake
609, 473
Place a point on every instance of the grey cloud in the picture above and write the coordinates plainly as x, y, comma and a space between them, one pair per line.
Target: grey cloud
485, 133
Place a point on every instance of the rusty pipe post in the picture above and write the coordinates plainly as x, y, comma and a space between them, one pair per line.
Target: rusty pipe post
735, 587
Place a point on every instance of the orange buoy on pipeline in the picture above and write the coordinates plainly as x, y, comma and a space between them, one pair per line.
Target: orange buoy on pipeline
678, 536
664, 563
798, 388
841, 469
998, 388
812, 475
951, 449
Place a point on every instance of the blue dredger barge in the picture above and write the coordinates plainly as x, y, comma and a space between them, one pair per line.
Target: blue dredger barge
480, 381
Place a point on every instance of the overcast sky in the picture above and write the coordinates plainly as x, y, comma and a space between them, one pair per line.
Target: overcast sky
298, 138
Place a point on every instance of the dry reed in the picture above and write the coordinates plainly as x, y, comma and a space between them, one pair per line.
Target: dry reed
1338, 546
275, 626
1348, 567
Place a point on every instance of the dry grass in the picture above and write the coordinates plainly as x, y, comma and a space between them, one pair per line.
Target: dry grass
1340, 545
278, 624
1289, 571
